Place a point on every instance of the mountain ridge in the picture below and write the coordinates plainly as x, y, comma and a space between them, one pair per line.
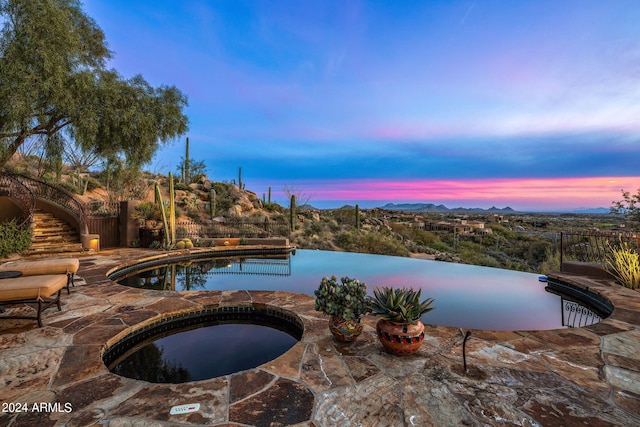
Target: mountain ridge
430, 207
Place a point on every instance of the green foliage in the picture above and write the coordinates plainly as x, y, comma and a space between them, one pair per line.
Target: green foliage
419, 236
55, 85
344, 216
123, 183
68, 186
346, 299
370, 242
399, 305
623, 262
13, 239
551, 261
223, 196
629, 206
197, 169
147, 211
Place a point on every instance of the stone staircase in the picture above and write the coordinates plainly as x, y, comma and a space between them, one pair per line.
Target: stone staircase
53, 235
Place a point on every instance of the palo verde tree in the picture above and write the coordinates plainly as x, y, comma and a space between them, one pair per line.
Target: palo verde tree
54, 86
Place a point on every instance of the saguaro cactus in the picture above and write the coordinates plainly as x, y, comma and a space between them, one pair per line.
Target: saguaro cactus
165, 224
269, 199
240, 178
212, 203
187, 165
172, 211
357, 217
292, 212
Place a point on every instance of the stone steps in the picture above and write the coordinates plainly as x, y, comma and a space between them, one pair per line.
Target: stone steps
53, 235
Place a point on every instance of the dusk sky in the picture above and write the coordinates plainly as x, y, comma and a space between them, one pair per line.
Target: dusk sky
530, 104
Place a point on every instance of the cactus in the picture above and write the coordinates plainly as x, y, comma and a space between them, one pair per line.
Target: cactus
401, 305
292, 212
240, 178
346, 299
212, 203
187, 165
172, 210
357, 218
269, 199
165, 225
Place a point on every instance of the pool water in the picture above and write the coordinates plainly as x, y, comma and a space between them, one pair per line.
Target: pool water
465, 296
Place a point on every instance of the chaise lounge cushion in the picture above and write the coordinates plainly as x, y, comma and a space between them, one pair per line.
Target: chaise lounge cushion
43, 266
31, 287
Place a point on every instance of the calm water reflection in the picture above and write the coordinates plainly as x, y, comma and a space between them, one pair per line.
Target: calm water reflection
466, 296
190, 354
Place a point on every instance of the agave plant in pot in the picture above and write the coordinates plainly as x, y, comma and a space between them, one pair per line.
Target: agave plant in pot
400, 330
345, 301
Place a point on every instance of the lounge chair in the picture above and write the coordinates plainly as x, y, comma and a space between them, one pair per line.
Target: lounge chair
33, 290
68, 266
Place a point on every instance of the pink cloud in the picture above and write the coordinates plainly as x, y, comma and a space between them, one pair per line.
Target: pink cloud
519, 193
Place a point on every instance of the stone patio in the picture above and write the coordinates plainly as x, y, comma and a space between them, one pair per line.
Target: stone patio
584, 376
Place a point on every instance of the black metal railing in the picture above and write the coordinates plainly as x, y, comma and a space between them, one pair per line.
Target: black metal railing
13, 188
233, 228
57, 195
594, 246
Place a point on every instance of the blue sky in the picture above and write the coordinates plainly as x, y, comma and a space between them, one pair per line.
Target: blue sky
529, 104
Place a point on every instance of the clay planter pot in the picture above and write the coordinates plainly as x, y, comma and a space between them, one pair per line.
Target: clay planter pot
400, 338
345, 330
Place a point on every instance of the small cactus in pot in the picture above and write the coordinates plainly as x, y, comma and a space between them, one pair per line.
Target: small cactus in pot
345, 301
399, 329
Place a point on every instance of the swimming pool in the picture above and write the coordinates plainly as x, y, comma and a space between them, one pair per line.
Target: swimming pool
465, 296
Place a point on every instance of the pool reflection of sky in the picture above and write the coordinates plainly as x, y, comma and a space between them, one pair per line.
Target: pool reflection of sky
465, 296
223, 349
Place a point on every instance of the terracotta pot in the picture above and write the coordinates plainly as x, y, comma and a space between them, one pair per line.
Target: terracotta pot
400, 338
345, 330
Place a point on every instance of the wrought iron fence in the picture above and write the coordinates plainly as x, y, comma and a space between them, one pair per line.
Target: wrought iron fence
576, 315
594, 247
11, 187
54, 194
233, 228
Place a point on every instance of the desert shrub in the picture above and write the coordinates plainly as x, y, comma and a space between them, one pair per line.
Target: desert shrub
13, 239
273, 207
624, 263
71, 188
179, 185
371, 243
344, 215
551, 261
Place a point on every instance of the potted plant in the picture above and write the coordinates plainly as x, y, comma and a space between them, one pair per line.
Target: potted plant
345, 301
148, 213
400, 330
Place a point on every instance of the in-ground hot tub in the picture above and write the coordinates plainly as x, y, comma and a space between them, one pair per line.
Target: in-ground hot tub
204, 344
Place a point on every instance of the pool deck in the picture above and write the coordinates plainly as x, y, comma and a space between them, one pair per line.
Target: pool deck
580, 376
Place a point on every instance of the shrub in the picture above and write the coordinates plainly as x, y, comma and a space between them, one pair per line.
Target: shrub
624, 264
13, 239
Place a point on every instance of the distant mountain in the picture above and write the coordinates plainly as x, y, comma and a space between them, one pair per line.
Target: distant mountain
430, 207
591, 211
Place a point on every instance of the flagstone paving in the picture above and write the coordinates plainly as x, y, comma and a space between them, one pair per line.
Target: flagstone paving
575, 377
